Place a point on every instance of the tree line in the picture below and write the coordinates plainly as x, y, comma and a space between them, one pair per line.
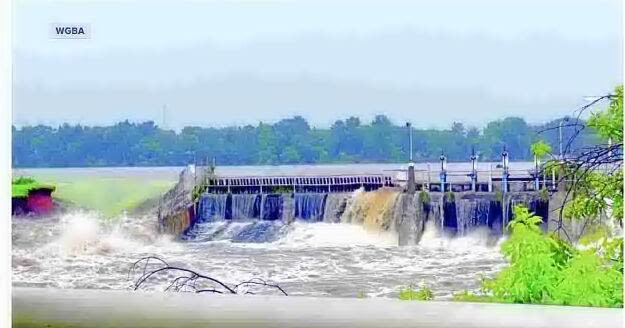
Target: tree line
288, 141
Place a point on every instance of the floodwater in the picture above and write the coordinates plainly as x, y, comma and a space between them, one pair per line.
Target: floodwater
81, 249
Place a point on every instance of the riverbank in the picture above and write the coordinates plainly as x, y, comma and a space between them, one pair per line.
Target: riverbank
109, 191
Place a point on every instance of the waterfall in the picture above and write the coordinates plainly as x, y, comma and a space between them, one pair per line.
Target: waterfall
372, 209
472, 212
336, 204
495, 218
309, 206
261, 217
449, 215
259, 232
352, 206
271, 208
245, 206
212, 207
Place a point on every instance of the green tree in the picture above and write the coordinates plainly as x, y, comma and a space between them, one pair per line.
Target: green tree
544, 269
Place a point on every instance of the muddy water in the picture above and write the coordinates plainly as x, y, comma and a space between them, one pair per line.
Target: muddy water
82, 250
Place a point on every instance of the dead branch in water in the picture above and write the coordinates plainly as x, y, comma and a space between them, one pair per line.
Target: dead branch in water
187, 280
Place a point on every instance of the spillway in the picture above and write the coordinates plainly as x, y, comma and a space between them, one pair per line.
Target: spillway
263, 217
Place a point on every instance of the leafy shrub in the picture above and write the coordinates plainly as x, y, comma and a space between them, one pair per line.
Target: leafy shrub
411, 294
540, 149
466, 296
548, 270
23, 180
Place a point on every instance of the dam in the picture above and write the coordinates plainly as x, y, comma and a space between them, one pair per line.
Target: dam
258, 207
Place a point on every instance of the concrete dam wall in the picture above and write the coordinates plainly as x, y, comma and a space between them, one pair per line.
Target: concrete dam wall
263, 217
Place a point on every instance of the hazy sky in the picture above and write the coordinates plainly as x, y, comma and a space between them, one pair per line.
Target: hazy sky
218, 63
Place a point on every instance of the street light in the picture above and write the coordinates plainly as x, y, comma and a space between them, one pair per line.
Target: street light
443, 172
505, 163
473, 173
409, 126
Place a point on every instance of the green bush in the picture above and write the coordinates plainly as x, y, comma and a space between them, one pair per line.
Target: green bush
547, 270
466, 296
450, 196
424, 197
411, 294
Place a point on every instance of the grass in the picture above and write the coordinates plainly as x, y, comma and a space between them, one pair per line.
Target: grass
21, 186
411, 294
109, 195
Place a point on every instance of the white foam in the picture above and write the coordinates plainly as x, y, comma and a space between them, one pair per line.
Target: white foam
476, 239
80, 231
323, 234
85, 232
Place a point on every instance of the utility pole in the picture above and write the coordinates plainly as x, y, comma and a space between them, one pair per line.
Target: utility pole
443, 172
409, 126
506, 174
411, 183
473, 173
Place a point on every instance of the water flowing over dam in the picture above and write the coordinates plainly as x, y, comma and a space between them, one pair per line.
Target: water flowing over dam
310, 241
264, 217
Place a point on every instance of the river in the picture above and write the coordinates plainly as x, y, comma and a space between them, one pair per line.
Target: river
83, 249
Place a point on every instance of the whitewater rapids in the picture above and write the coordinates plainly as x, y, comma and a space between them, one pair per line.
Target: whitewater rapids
80, 249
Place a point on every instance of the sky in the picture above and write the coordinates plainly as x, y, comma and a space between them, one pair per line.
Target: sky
221, 63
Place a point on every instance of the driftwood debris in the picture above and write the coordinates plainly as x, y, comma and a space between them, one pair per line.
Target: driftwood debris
187, 280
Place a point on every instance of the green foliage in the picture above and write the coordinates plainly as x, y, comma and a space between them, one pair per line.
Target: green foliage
595, 192
545, 269
21, 186
588, 281
110, 195
540, 149
424, 197
449, 196
530, 255
467, 296
609, 123
23, 181
411, 294
287, 141
282, 190
549, 270
198, 190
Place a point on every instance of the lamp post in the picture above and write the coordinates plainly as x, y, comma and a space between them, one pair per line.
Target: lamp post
504, 177
443, 173
473, 170
412, 186
409, 126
